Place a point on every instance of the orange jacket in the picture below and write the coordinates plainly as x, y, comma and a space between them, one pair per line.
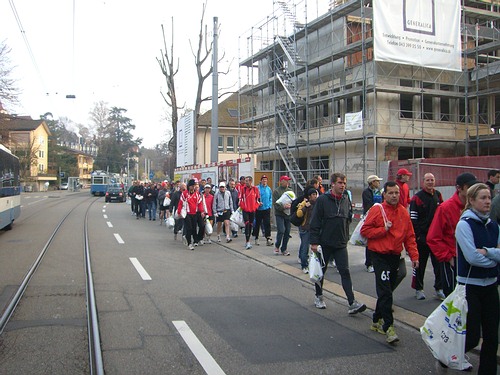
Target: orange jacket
391, 241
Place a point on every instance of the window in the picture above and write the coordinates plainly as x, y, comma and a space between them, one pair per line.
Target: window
230, 144
40, 153
405, 106
40, 168
221, 144
233, 112
266, 165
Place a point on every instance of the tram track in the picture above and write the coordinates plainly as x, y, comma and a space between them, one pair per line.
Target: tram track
95, 364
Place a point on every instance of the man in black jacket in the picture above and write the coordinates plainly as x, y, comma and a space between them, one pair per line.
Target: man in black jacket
329, 228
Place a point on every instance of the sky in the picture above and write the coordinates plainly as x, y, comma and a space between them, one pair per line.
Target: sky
106, 50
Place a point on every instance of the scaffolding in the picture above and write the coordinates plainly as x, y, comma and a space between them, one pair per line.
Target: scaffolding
309, 64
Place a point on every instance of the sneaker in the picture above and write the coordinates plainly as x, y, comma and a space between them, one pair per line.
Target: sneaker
420, 295
248, 246
319, 303
356, 307
201, 243
218, 238
228, 239
191, 247
377, 327
370, 269
305, 270
285, 253
196, 244
440, 294
208, 241
391, 335
276, 251
257, 242
269, 242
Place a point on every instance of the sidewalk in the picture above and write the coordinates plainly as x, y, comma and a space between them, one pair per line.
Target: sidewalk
407, 310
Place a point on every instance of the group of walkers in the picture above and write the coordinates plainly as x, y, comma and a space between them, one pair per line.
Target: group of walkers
459, 235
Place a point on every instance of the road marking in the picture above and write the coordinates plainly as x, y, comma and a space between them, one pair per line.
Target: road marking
105, 216
118, 238
104, 210
109, 224
138, 266
202, 355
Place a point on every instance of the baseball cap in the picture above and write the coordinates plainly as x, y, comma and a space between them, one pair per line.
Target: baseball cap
263, 176
404, 171
222, 184
285, 178
374, 177
207, 186
466, 179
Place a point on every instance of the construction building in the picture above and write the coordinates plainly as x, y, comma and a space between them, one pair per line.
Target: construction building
315, 99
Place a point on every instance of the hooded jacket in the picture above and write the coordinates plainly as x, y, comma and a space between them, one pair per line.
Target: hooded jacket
441, 234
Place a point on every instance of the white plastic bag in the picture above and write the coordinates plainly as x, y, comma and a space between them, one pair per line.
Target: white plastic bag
166, 201
208, 227
233, 226
356, 237
286, 198
445, 329
184, 210
237, 217
316, 263
170, 222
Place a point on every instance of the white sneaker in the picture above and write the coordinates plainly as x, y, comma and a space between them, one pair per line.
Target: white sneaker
356, 307
191, 247
319, 303
370, 269
257, 242
228, 239
440, 294
218, 238
305, 270
201, 243
248, 246
208, 241
420, 295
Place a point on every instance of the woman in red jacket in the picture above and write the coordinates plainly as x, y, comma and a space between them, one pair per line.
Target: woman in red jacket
194, 203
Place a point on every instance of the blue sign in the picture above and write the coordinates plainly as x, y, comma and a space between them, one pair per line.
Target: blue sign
151, 175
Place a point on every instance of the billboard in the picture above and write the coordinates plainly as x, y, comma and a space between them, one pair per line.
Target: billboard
185, 140
418, 32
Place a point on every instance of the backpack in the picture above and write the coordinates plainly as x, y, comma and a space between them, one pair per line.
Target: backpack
294, 219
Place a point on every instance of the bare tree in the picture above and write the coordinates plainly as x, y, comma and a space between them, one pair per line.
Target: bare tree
9, 92
169, 71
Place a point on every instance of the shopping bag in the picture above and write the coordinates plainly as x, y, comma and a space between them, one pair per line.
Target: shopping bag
356, 237
208, 227
233, 226
170, 222
316, 263
286, 198
237, 217
184, 210
445, 329
166, 201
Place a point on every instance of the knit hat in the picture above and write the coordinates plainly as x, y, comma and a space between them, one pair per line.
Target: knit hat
311, 191
191, 182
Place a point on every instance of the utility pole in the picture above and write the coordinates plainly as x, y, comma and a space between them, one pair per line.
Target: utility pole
214, 135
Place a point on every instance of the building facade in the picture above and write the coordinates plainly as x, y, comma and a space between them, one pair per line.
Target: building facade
309, 74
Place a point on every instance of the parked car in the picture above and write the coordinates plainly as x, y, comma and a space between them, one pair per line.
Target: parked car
63, 186
115, 193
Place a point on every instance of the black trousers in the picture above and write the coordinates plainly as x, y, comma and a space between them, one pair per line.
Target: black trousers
423, 256
386, 271
262, 217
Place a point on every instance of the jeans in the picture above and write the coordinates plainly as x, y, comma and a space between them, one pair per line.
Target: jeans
305, 236
342, 261
152, 209
283, 232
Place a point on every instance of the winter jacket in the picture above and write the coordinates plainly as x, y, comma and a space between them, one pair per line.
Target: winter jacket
331, 216
390, 241
423, 206
249, 199
441, 234
278, 208
370, 197
195, 202
266, 197
474, 233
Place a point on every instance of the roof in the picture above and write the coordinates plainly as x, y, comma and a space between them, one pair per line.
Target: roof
21, 123
228, 113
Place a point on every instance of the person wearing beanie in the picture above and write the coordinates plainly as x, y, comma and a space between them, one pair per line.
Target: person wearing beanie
304, 210
441, 234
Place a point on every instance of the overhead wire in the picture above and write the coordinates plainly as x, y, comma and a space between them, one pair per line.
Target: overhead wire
26, 42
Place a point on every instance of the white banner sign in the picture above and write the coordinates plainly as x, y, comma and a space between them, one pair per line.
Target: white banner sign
353, 121
418, 32
185, 140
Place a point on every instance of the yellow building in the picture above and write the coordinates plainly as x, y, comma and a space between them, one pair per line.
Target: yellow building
28, 139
